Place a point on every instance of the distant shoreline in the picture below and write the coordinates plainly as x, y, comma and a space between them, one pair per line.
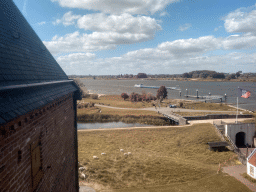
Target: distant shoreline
174, 79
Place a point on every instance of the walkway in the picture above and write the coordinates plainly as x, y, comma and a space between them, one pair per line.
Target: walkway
235, 171
163, 109
85, 189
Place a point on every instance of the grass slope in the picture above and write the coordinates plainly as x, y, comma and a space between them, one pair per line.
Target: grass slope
178, 157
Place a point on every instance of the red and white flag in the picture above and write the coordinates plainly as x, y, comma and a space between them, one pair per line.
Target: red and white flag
244, 93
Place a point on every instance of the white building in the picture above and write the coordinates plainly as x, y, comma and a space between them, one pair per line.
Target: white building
251, 164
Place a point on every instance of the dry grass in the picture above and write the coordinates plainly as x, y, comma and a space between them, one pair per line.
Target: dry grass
117, 101
207, 106
120, 112
248, 178
96, 114
186, 114
160, 157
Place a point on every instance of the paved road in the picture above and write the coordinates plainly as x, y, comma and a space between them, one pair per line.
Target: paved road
235, 171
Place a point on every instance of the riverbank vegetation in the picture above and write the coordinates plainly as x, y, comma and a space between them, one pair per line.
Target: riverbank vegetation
200, 75
103, 114
98, 109
118, 101
161, 159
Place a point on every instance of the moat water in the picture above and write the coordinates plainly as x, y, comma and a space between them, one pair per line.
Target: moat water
109, 125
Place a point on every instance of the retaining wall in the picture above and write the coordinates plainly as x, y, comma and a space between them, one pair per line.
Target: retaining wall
216, 116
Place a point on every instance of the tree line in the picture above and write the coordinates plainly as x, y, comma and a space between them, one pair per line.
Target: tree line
135, 97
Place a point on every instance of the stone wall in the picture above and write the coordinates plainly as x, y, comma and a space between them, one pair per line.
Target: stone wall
52, 127
248, 128
216, 116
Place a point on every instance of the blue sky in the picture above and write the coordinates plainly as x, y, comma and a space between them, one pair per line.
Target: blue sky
110, 37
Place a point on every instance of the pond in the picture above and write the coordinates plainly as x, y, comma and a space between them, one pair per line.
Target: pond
109, 125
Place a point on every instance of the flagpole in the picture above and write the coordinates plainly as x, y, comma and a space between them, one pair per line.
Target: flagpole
236, 109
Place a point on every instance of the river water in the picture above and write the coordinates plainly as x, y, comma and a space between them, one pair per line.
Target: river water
108, 125
116, 87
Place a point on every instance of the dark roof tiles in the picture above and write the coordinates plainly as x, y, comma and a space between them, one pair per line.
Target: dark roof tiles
24, 59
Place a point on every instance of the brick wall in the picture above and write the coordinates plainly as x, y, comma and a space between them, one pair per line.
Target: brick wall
53, 125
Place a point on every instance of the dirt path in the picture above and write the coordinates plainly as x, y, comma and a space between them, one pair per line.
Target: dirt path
162, 109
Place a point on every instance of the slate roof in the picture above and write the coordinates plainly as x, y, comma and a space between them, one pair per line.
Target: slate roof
24, 60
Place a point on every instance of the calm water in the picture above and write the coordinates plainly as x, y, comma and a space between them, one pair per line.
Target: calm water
108, 125
215, 88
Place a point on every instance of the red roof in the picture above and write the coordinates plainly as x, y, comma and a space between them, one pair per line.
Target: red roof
252, 159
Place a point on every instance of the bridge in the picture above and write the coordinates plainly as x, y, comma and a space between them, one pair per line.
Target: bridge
175, 118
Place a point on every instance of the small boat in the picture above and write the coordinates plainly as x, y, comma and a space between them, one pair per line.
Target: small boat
138, 85
154, 87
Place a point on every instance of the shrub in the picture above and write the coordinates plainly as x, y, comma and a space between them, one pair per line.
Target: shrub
134, 97
161, 93
82, 105
94, 96
150, 97
124, 96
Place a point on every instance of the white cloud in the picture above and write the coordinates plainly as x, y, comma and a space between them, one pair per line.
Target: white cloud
76, 42
67, 19
246, 41
187, 47
118, 6
75, 59
164, 14
124, 23
185, 27
41, 23
110, 31
217, 28
241, 21
157, 63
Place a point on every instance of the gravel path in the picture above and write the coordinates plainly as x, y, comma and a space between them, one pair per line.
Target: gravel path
85, 189
235, 171
162, 109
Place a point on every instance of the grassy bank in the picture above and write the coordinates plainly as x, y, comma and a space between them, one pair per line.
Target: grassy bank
104, 114
117, 101
185, 114
95, 114
175, 158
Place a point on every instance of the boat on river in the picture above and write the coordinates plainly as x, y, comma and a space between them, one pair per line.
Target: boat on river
154, 87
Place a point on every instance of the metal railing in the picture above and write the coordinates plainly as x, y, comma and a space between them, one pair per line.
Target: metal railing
241, 156
233, 147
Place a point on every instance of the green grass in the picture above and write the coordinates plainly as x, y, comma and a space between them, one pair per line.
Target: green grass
178, 157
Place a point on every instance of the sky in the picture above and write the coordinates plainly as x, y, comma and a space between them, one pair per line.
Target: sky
112, 37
